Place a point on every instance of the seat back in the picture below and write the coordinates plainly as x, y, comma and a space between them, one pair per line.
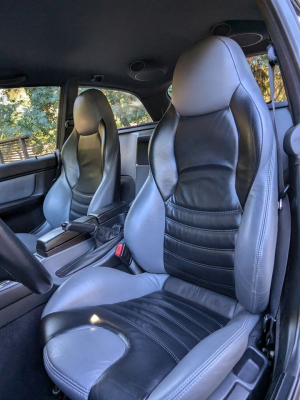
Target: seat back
208, 211
90, 162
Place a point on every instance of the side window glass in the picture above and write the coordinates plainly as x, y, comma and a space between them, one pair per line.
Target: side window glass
127, 108
259, 68
28, 122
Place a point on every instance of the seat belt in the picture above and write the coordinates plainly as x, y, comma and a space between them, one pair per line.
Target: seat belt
284, 225
72, 93
69, 93
59, 163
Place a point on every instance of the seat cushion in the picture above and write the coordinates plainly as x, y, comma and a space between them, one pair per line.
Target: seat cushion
29, 240
129, 347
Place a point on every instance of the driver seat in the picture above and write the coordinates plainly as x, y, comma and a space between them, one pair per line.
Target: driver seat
204, 229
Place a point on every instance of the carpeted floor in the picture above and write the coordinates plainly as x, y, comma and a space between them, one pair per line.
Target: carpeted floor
22, 373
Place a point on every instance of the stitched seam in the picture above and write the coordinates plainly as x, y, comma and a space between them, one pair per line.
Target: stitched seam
146, 333
80, 204
180, 312
61, 378
258, 250
265, 221
68, 381
104, 181
238, 211
202, 229
199, 279
76, 213
210, 365
214, 356
198, 247
193, 308
199, 264
167, 317
158, 326
82, 388
82, 194
251, 99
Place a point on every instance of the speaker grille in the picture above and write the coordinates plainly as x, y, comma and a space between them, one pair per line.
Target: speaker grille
137, 66
247, 39
221, 30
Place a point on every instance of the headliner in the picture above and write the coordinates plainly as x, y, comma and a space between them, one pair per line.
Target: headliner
50, 40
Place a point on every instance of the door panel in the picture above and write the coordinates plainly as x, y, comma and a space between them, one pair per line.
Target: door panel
23, 186
17, 188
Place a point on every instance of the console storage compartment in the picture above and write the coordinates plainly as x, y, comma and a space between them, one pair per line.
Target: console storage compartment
58, 239
108, 216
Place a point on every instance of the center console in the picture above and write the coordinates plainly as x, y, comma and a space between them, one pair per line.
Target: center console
79, 243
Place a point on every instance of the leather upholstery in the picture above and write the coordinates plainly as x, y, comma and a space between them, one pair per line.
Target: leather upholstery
160, 326
208, 363
83, 346
90, 163
147, 245
93, 286
206, 216
29, 240
208, 168
176, 314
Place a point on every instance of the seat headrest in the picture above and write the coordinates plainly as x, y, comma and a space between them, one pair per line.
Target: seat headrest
207, 74
90, 107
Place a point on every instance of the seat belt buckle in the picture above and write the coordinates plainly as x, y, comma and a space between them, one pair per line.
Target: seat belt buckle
124, 254
269, 328
282, 196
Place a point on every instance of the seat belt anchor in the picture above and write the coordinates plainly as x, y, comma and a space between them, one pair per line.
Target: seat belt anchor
69, 123
282, 196
269, 328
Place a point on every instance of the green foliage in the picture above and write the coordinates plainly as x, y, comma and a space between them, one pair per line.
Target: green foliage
128, 109
259, 67
33, 112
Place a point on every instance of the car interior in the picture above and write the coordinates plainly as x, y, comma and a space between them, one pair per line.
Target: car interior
150, 200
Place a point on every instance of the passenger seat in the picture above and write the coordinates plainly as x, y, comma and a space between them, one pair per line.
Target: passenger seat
90, 174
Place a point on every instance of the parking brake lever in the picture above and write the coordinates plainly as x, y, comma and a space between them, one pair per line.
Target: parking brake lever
101, 234
80, 227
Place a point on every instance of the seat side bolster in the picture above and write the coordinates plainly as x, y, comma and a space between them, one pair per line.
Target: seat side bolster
58, 202
77, 373
254, 262
145, 228
100, 285
203, 369
104, 195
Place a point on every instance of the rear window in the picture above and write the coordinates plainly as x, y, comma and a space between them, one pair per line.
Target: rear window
259, 68
128, 109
